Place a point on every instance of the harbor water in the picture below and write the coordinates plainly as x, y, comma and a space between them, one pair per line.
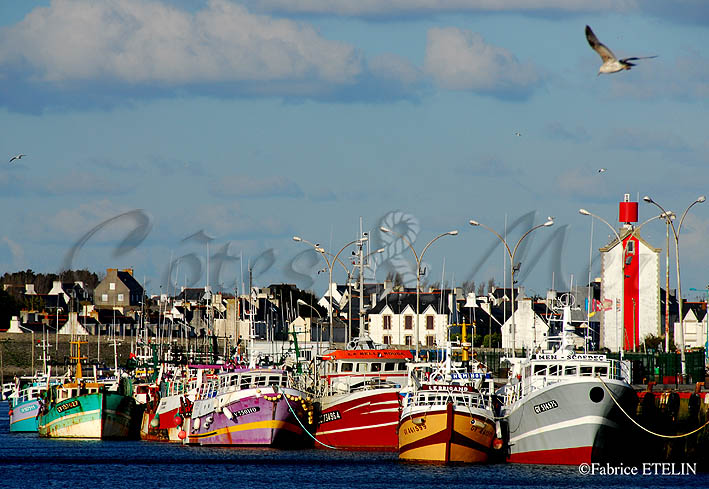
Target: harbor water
29, 461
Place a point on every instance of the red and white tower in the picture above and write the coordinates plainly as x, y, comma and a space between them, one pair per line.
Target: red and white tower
630, 285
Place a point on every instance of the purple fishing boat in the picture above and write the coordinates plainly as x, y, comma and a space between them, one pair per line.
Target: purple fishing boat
258, 406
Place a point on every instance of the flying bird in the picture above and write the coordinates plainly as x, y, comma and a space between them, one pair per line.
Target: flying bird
18, 157
611, 64
601, 170
517, 133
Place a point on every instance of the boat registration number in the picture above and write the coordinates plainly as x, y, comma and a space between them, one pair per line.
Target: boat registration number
330, 416
28, 408
545, 406
67, 406
244, 412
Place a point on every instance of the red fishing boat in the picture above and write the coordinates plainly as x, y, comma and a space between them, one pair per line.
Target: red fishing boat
360, 404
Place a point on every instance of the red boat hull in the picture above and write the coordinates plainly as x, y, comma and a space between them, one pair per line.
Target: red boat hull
565, 456
360, 420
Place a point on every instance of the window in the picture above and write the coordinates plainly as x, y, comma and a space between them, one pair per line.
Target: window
389, 366
120, 297
346, 367
112, 286
429, 322
586, 371
104, 297
630, 247
387, 340
602, 371
570, 371
387, 323
554, 369
408, 340
376, 367
430, 340
540, 370
408, 323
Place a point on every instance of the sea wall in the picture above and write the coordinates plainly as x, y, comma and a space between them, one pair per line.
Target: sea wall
19, 357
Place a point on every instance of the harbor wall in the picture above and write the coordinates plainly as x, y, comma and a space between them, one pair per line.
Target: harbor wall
20, 358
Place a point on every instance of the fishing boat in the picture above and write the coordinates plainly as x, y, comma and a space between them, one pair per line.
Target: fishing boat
360, 402
448, 413
24, 397
251, 406
168, 402
560, 406
85, 408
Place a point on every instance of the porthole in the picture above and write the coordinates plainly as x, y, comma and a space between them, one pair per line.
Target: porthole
597, 394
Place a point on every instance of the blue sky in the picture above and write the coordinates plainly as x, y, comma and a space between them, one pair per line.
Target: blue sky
157, 129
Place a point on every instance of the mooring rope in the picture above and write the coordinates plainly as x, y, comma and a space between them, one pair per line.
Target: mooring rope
285, 397
642, 427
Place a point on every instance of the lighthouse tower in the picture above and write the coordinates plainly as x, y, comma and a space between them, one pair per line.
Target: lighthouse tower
630, 284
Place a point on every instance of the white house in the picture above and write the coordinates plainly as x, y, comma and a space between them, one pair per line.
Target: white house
392, 321
531, 328
695, 325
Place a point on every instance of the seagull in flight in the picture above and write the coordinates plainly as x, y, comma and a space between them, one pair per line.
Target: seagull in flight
611, 64
18, 157
601, 170
517, 133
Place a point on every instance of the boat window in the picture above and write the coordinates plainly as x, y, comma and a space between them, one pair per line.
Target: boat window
540, 369
262, 380
389, 366
274, 380
570, 370
376, 367
246, 381
346, 367
602, 371
554, 369
234, 380
402, 366
586, 371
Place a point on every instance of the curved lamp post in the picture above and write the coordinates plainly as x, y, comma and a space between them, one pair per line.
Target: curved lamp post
330, 265
675, 232
511, 255
621, 346
418, 259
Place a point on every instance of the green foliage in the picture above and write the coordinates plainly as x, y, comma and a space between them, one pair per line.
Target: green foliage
492, 341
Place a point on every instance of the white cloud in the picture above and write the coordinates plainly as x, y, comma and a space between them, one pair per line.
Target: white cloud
564, 132
245, 186
644, 140
459, 59
138, 41
585, 183
370, 8
17, 251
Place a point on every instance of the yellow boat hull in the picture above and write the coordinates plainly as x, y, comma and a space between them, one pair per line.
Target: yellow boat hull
446, 435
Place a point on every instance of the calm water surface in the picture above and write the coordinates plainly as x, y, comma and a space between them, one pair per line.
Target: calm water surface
27, 461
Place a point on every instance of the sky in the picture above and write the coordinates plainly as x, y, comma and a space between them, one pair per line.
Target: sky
191, 140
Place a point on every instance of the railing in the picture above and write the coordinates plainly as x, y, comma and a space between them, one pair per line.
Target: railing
560, 371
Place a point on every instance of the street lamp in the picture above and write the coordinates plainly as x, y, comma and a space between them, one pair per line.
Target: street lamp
675, 232
418, 259
511, 255
621, 346
330, 264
